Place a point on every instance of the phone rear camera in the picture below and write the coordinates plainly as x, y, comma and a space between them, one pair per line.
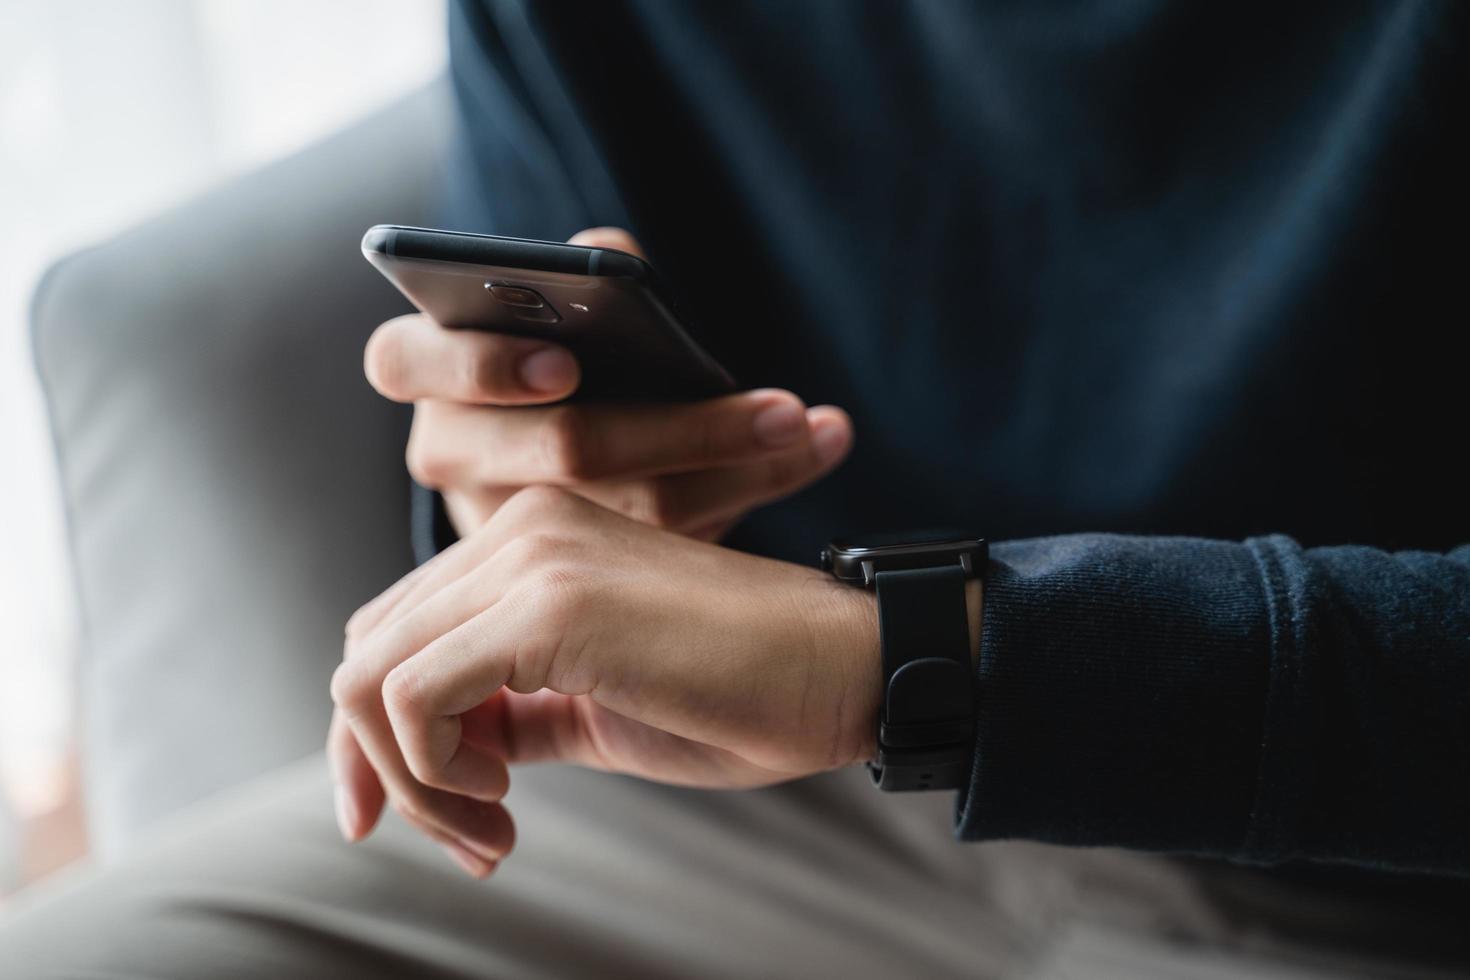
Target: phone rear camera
516, 296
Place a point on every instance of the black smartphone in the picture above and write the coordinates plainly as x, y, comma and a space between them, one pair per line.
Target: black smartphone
603, 305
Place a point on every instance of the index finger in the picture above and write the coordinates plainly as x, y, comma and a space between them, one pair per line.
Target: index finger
411, 358
605, 236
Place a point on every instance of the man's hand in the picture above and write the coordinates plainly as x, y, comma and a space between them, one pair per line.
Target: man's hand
483, 428
563, 631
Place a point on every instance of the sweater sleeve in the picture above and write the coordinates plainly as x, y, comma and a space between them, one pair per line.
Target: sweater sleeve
429, 528
1254, 701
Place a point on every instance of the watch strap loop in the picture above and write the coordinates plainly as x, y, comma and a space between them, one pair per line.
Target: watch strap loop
929, 689
926, 727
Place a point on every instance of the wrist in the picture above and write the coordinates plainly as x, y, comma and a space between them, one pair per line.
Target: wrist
852, 638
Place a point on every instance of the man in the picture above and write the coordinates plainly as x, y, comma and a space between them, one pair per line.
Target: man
1111, 277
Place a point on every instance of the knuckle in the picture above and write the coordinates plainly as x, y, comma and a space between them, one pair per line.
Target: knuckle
538, 502
565, 448
358, 637
350, 688
537, 548
401, 691
558, 596
355, 627
530, 554
559, 586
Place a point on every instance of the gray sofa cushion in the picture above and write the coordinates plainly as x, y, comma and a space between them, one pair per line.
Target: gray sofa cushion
233, 487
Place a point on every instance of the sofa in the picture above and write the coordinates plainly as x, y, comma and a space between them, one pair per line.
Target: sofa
233, 489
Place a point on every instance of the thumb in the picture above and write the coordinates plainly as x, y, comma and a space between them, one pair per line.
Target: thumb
543, 726
608, 237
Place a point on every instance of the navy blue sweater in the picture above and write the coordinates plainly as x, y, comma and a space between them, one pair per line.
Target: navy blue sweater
1163, 297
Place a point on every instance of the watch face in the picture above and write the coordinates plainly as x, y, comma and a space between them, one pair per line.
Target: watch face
859, 557
855, 544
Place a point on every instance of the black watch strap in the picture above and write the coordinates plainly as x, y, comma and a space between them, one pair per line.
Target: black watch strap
927, 723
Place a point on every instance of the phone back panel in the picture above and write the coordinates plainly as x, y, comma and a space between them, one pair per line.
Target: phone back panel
626, 339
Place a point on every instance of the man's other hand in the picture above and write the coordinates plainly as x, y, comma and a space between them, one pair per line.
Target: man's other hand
563, 631
485, 425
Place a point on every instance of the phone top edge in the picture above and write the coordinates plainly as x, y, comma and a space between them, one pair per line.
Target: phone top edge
378, 240
405, 241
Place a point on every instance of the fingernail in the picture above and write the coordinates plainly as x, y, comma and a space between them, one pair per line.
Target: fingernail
346, 814
472, 864
829, 442
548, 370
779, 424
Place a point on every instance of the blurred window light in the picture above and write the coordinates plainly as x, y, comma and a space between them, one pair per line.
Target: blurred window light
110, 112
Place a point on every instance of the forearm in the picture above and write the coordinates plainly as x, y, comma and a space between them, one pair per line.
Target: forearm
1253, 701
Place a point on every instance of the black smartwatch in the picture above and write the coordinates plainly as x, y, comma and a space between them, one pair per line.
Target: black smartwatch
926, 726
